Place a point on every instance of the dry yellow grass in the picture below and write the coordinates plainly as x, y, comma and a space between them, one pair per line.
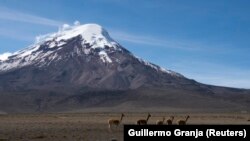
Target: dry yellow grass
90, 126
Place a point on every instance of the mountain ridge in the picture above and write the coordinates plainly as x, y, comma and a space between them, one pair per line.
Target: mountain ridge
92, 35
82, 67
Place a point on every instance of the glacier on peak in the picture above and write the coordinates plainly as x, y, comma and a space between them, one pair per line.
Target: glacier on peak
92, 34
5, 56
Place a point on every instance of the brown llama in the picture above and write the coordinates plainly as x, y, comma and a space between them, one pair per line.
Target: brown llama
183, 122
170, 120
115, 122
143, 121
160, 122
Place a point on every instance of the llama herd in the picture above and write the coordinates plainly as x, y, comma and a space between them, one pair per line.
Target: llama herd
117, 122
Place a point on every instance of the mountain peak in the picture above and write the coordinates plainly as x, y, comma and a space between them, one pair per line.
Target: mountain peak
87, 42
92, 37
91, 33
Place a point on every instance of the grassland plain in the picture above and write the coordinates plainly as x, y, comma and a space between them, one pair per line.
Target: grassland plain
92, 126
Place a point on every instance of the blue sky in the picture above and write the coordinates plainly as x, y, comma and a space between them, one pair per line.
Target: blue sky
204, 40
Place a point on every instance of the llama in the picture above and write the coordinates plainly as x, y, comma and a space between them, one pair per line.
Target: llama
143, 121
115, 122
160, 122
183, 122
170, 120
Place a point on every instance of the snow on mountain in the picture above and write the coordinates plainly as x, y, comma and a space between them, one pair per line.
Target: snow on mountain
158, 68
92, 35
104, 57
5, 56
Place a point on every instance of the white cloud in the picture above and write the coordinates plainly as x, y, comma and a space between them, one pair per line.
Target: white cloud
18, 16
76, 23
155, 41
65, 27
15, 34
12, 15
5, 56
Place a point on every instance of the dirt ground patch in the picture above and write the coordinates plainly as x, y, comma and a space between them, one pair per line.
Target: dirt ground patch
91, 126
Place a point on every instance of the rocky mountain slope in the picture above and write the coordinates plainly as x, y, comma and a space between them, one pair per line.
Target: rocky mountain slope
82, 67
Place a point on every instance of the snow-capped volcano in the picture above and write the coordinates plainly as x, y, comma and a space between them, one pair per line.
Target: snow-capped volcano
94, 39
81, 66
92, 35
